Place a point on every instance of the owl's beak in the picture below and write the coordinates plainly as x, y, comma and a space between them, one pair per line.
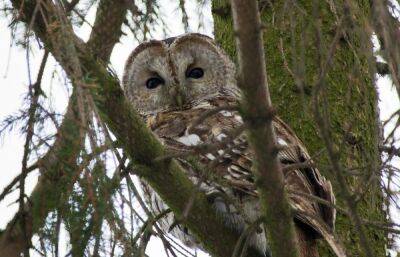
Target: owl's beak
179, 101
178, 97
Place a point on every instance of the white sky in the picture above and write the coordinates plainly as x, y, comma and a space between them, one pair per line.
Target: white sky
14, 82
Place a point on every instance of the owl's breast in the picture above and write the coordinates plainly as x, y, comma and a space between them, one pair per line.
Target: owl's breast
219, 144
184, 126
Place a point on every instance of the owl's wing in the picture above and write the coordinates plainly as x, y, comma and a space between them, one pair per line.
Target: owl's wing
304, 181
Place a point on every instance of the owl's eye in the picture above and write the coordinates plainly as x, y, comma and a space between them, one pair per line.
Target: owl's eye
195, 73
154, 82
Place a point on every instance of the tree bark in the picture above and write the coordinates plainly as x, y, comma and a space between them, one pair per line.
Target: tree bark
297, 38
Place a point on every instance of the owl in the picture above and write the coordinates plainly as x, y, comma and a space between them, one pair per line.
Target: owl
174, 82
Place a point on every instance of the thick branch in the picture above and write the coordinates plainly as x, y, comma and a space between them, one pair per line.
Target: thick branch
166, 177
106, 30
258, 115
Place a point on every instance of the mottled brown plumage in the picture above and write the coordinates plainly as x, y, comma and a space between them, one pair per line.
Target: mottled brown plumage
219, 142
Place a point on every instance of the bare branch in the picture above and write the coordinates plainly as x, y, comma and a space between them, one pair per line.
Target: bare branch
60, 161
258, 106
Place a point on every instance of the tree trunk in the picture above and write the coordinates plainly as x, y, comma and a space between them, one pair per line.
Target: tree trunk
298, 41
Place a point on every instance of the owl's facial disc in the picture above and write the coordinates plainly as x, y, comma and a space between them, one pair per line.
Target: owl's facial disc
178, 75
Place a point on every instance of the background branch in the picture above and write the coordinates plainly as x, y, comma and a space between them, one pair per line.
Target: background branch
60, 163
258, 114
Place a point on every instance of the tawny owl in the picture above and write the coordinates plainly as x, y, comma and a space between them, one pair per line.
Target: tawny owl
172, 83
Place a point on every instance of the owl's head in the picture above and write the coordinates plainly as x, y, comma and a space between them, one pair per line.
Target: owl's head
177, 73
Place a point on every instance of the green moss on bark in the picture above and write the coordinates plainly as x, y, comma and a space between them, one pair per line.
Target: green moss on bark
348, 91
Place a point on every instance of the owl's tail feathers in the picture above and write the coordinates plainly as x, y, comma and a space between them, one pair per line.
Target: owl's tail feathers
327, 233
335, 244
